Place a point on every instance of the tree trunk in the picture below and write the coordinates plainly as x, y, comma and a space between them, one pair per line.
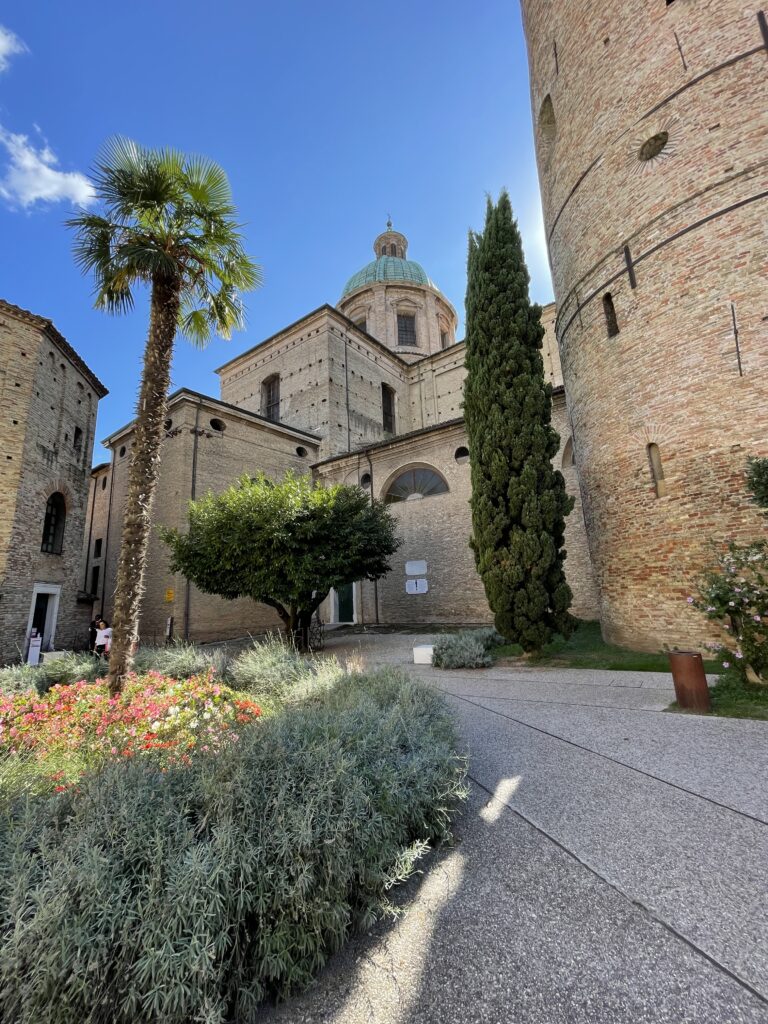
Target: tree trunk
142, 477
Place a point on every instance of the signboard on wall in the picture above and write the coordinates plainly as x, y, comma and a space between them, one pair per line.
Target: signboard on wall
418, 586
416, 568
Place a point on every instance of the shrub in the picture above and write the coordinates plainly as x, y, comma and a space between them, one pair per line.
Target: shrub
17, 678
757, 481
192, 894
488, 637
461, 650
70, 668
181, 660
734, 592
275, 674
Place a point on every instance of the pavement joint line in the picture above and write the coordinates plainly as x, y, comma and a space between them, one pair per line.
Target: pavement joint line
555, 703
630, 899
613, 760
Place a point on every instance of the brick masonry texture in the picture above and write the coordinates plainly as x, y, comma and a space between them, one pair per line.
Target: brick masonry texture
680, 243
47, 395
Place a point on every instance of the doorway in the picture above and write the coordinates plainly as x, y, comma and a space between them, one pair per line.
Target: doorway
43, 613
345, 603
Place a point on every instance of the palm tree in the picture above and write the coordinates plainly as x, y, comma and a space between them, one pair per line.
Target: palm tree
167, 221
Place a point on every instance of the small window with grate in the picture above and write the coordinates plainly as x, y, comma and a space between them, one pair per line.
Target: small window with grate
406, 330
270, 398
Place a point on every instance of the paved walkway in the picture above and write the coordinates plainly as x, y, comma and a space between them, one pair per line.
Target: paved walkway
611, 865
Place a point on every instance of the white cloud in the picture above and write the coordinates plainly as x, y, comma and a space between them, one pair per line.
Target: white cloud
31, 175
10, 45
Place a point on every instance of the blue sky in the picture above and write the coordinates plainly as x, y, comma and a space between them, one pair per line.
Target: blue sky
326, 116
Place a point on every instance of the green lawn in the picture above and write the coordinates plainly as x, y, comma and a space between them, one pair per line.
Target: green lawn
587, 649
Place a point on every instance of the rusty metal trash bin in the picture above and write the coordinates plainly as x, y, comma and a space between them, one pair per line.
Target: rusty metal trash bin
691, 688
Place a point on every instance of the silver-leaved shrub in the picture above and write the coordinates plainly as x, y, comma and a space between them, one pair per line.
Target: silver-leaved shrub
193, 893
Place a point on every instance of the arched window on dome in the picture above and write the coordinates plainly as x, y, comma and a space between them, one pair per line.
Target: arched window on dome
414, 484
383, 250
393, 249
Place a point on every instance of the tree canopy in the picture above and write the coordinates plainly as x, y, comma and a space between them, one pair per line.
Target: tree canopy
285, 544
519, 502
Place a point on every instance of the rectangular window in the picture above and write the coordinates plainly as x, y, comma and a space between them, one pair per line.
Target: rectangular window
271, 398
97, 548
95, 579
388, 409
443, 339
77, 441
406, 330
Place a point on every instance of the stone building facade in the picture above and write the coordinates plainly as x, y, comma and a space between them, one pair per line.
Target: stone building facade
369, 392
652, 142
48, 409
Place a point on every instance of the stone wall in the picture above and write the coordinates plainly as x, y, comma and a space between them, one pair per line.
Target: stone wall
437, 529
49, 412
216, 459
652, 142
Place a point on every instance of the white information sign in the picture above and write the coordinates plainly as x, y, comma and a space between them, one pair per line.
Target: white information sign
416, 568
416, 586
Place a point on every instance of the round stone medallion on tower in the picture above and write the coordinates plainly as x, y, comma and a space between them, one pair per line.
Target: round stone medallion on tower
652, 143
393, 299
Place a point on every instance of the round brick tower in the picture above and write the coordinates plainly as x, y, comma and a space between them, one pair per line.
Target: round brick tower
651, 130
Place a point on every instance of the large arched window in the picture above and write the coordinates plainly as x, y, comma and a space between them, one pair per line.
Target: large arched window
568, 460
415, 483
53, 527
270, 398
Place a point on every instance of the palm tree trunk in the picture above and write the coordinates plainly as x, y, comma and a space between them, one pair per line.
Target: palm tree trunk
142, 477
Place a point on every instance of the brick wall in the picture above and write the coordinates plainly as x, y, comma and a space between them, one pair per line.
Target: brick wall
678, 241
49, 411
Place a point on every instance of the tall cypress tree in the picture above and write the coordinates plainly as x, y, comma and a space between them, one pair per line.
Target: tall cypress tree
519, 502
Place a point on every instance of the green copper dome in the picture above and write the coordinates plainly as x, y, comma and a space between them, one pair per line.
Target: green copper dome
387, 268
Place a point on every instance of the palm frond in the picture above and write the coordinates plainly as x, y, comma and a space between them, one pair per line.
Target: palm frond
169, 217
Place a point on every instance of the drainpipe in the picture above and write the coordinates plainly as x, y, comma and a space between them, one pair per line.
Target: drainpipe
105, 563
375, 582
188, 587
90, 533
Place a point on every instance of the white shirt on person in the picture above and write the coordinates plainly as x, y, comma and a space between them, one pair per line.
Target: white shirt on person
104, 637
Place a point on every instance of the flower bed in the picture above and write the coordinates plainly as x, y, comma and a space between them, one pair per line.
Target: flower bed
74, 727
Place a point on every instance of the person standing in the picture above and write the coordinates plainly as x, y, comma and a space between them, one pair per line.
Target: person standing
103, 638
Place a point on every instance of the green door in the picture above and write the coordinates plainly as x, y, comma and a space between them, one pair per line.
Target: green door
346, 603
